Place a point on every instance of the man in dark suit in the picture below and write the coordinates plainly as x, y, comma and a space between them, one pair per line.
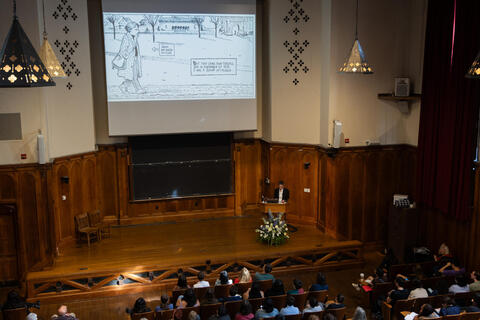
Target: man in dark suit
281, 193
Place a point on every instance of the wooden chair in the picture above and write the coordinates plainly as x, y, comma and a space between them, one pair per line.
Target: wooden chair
186, 312
317, 313
83, 228
430, 282
419, 302
279, 301
402, 305
338, 313
437, 301
470, 316
222, 290
265, 284
14, 314
208, 310
95, 220
164, 315
200, 292
256, 303
463, 298
233, 307
243, 287
295, 317
386, 311
321, 296
147, 315
176, 294
300, 300
452, 317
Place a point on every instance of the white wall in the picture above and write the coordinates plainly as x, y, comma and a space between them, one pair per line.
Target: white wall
64, 116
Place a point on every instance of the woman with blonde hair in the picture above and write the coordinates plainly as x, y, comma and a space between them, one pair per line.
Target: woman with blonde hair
244, 276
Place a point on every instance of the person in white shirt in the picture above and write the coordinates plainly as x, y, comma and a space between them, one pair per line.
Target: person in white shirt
418, 291
201, 281
460, 285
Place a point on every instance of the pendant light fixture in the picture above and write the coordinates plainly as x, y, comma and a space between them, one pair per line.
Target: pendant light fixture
47, 54
474, 71
356, 62
20, 65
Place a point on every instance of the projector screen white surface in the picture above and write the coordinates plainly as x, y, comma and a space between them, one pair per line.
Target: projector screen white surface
170, 72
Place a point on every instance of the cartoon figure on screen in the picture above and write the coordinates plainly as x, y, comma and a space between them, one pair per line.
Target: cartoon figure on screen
128, 60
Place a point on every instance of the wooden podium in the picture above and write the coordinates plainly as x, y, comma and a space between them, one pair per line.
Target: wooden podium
274, 207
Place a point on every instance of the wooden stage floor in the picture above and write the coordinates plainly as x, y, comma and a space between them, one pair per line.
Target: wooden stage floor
213, 245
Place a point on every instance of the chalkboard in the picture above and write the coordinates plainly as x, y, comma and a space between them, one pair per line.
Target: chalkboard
171, 166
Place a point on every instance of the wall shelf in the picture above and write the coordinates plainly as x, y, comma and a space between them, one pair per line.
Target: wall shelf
402, 102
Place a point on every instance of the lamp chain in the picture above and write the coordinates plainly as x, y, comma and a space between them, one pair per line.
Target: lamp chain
44, 27
356, 22
14, 9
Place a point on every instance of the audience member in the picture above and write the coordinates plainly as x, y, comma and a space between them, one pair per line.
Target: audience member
140, 306
222, 313
298, 285
266, 274
359, 314
233, 295
427, 312
209, 297
254, 292
338, 303
202, 283
223, 279
14, 301
290, 309
164, 304
193, 315
389, 260
475, 285
63, 314
188, 300
475, 304
244, 277
245, 311
329, 316
449, 307
444, 255
31, 316
313, 305
181, 283
450, 269
321, 283
399, 293
418, 291
267, 310
277, 289
460, 285
313, 317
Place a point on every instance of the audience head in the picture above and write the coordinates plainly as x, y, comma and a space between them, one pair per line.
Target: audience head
328, 316
62, 310
359, 314
268, 305
233, 291
201, 276
416, 284
189, 297
277, 286
267, 268
312, 301
182, 281
245, 275
447, 301
313, 317
475, 276
290, 300
245, 308
223, 277
380, 273
321, 279
31, 316
209, 294
297, 283
256, 288
340, 298
462, 281
443, 250
399, 282
192, 315
139, 306
164, 299
426, 310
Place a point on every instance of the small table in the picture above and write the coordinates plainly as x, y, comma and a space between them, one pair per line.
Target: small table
274, 207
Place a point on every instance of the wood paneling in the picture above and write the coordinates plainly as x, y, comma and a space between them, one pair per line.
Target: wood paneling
8, 243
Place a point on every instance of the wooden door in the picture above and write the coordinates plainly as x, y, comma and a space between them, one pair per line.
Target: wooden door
8, 243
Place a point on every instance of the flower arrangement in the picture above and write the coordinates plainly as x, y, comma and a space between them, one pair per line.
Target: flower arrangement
274, 230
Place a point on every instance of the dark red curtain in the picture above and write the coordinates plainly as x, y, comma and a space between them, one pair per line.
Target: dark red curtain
449, 109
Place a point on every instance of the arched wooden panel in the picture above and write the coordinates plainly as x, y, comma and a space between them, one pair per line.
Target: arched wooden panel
107, 183
308, 205
77, 189
372, 177
89, 186
29, 218
7, 187
342, 190
64, 214
356, 195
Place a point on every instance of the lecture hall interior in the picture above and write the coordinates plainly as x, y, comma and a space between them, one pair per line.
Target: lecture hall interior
239, 159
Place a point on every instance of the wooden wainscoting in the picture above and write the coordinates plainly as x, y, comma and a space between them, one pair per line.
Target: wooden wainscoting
23, 190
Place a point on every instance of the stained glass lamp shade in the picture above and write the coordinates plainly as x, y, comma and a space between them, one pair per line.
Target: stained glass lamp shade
356, 61
47, 54
474, 71
20, 65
